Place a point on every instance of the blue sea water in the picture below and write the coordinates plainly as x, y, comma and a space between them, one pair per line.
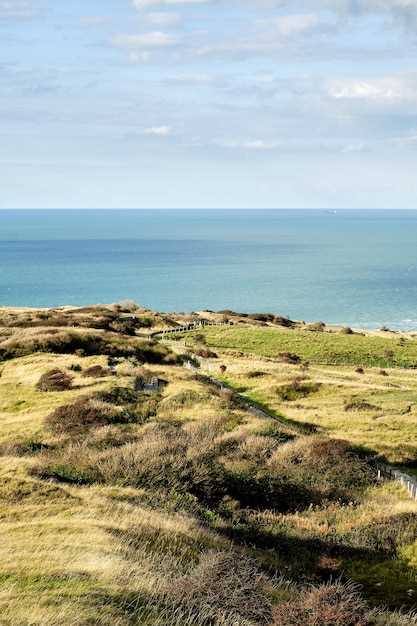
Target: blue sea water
350, 267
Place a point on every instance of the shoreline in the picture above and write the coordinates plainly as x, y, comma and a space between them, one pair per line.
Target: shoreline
378, 330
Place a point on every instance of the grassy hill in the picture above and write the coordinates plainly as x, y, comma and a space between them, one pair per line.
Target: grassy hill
126, 501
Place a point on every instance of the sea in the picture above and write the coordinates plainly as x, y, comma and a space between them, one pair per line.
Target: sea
356, 268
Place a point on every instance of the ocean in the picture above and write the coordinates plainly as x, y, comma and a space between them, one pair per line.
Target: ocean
357, 268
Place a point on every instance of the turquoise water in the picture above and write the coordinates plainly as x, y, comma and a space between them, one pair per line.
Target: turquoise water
351, 267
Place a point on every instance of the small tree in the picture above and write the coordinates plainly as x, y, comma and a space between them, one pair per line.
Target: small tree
223, 369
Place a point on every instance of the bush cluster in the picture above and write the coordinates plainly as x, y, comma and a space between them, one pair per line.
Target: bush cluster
333, 604
84, 414
55, 380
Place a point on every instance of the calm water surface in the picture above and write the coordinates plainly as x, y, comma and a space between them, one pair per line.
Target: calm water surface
351, 267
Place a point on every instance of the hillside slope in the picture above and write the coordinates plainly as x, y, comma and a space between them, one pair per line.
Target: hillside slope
135, 491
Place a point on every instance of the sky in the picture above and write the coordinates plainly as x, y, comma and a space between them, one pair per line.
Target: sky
208, 103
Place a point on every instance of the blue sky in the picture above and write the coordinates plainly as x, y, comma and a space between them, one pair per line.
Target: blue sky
208, 103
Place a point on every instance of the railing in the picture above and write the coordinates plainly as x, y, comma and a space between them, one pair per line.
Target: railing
188, 328
409, 482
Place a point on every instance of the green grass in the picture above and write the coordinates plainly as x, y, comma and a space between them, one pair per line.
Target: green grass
320, 348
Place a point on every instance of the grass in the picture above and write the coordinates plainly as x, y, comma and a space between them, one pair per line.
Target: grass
377, 413
194, 511
319, 348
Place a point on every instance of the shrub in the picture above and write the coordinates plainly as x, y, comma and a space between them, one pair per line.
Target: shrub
328, 468
284, 321
168, 457
296, 389
75, 367
86, 413
205, 353
118, 395
290, 358
386, 536
256, 374
346, 331
224, 589
360, 370
54, 380
360, 405
332, 604
256, 448
127, 306
317, 327
73, 464
96, 371
83, 343
259, 488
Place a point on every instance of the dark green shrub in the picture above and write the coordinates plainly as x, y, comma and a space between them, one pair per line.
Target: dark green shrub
328, 468
385, 536
118, 395
256, 374
290, 358
261, 489
296, 389
66, 473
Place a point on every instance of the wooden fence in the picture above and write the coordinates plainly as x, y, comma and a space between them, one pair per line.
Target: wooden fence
390, 473
188, 328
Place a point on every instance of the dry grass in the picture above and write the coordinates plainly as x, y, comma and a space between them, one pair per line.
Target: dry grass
333, 604
185, 520
384, 412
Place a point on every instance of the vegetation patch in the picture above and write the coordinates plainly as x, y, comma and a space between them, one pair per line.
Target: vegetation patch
296, 390
224, 588
96, 371
74, 419
320, 348
360, 405
55, 380
333, 604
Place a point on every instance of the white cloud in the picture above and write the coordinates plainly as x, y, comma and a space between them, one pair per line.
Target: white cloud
288, 25
163, 18
155, 39
158, 131
398, 88
19, 8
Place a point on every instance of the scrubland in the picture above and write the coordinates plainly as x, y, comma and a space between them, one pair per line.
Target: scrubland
125, 503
